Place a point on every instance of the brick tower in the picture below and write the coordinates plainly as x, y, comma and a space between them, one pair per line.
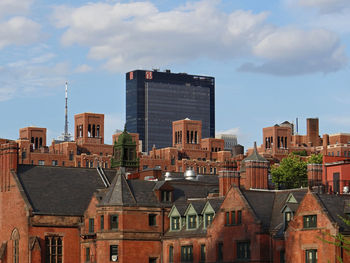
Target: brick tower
89, 128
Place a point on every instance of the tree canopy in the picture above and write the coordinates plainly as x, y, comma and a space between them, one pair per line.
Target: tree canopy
315, 158
290, 173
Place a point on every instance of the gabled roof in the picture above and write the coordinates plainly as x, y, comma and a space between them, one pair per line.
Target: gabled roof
119, 192
255, 156
268, 205
335, 206
214, 203
197, 205
59, 190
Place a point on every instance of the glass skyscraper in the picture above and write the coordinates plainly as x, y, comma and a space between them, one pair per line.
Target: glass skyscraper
155, 99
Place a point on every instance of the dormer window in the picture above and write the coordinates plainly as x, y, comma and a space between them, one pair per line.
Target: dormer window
287, 218
175, 223
166, 196
208, 219
192, 222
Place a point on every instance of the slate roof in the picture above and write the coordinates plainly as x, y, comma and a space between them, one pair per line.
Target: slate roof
268, 205
336, 207
255, 156
59, 190
67, 191
216, 203
198, 206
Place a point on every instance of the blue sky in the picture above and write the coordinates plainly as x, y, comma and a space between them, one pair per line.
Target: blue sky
272, 60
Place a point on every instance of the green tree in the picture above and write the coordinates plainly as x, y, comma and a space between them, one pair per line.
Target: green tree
315, 158
290, 173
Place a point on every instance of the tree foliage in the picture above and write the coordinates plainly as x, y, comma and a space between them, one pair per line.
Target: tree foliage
315, 158
290, 173
301, 153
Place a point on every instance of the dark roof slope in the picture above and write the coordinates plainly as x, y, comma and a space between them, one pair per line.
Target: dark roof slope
336, 206
268, 205
119, 192
262, 203
60, 190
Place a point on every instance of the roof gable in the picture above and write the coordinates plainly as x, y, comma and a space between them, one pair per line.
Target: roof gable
174, 212
119, 192
208, 209
190, 210
291, 199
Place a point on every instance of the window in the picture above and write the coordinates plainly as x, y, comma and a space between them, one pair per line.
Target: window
79, 164
15, 243
63, 163
15, 251
239, 217
208, 219
152, 219
186, 253
287, 218
71, 155
171, 254
233, 217
91, 225
152, 260
243, 250
192, 221
102, 222
310, 221
24, 155
54, 251
166, 196
41, 162
227, 218
220, 252
282, 256
311, 256
113, 251
175, 223
114, 220
87, 254
202, 259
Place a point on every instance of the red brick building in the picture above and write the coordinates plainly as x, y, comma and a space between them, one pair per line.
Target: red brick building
75, 214
318, 218
191, 151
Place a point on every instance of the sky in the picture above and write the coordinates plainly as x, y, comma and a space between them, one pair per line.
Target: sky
273, 60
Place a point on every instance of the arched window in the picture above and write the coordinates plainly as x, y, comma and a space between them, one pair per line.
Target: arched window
15, 246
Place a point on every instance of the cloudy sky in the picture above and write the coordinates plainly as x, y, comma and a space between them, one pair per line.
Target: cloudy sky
272, 60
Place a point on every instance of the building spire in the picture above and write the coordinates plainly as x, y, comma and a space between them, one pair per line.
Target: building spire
66, 112
66, 137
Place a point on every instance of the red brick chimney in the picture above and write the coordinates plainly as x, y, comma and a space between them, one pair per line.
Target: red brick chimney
8, 163
314, 174
226, 180
256, 170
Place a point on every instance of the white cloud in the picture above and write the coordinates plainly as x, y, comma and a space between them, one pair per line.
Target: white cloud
138, 35
18, 31
83, 68
294, 51
35, 76
14, 7
235, 131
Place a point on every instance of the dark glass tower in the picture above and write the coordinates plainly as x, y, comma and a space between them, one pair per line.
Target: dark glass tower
155, 99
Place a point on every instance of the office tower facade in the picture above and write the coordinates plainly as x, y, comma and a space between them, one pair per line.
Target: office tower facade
155, 99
